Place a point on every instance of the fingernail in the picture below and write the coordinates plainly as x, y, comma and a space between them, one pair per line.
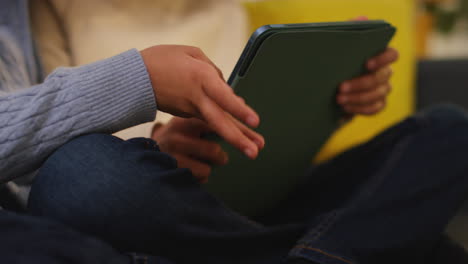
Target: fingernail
346, 87
259, 143
252, 121
250, 153
383, 75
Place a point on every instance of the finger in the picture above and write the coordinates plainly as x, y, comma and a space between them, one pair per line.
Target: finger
366, 109
367, 82
200, 126
218, 70
389, 56
384, 74
360, 84
194, 126
222, 124
365, 98
223, 96
200, 149
254, 136
199, 54
156, 127
201, 171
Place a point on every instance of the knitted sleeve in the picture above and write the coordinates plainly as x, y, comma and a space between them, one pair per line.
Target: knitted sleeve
103, 97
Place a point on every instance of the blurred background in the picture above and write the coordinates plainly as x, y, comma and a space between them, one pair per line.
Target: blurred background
432, 39
442, 29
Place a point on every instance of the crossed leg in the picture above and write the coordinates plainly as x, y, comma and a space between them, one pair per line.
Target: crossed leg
386, 201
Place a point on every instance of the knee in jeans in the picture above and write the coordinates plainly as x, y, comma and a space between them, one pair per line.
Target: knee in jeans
69, 166
96, 167
104, 186
446, 115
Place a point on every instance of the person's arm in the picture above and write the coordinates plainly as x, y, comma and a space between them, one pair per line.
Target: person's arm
105, 96
117, 93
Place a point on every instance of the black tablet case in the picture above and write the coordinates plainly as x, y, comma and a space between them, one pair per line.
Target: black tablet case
292, 83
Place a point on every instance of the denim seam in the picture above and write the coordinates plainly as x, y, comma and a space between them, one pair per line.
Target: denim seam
324, 226
139, 259
324, 253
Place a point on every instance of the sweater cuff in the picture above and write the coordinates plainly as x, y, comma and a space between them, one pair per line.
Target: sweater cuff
119, 92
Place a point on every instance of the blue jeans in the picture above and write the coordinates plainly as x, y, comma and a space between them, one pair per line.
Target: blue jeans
26, 240
386, 201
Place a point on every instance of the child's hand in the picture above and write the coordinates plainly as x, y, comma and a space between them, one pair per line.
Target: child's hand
367, 95
181, 138
188, 84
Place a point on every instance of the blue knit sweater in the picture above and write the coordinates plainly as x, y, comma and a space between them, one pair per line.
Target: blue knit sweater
39, 115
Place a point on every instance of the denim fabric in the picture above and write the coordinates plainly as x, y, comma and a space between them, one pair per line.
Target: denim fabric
387, 201
26, 240
134, 197
397, 193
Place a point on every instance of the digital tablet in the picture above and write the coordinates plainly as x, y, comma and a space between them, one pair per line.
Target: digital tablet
290, 75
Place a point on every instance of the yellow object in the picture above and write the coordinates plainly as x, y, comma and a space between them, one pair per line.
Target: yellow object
400, 13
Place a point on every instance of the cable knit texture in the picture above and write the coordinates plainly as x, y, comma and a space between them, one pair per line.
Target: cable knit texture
106, 96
